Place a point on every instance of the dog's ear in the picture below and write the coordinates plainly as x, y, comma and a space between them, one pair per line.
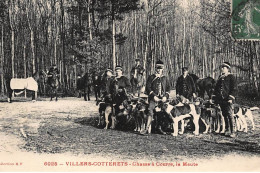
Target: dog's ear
174, 102
165, 106
244, 110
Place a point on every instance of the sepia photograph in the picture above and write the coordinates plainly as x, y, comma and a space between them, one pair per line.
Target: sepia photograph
130, 85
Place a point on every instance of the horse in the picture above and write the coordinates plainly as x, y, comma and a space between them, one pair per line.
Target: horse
205, 85
18, 86
53, 83
194, 77
83, 85
137, 82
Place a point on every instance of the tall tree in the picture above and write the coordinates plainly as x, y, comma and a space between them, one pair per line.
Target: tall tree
3, 14
114, 10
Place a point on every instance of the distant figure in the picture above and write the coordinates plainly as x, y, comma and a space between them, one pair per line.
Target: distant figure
185, 85
53, 81
96, 79
83, 86
53, 71
78, 86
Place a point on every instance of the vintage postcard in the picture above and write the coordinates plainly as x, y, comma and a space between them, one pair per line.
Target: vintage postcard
130, 85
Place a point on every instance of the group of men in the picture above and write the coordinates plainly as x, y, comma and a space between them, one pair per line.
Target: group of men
158, 88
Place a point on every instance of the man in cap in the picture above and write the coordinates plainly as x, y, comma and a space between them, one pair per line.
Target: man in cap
185, 85
120, 81
224, 96
157, 88
136, 72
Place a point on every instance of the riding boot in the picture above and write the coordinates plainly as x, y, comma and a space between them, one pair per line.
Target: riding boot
232, 126
159, 122
227, 127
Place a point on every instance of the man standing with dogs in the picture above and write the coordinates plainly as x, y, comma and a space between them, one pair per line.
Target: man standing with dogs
106, 108
157, 89
224, 96
120, 87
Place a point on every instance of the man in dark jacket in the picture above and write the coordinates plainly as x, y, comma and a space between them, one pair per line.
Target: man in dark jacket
185, 85
107, 80
96, 84
224, 96
119, 88
157, 88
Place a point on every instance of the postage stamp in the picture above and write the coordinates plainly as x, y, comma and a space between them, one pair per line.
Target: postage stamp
245, 19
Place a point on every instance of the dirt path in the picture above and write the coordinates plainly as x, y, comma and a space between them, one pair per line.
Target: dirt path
65, 131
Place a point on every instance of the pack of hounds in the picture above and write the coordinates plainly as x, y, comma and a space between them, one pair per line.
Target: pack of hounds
176, 115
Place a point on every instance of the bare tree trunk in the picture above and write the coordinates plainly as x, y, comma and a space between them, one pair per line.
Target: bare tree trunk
254, 66
214, 61
24, 60
204, 63
168, 46
31, 28
183, 42
33, 52
75, 68
2, 59
114, 41
89, 21
63, 47
135, 40
12, 35
55, 49
12, 52
146, 43
191, 49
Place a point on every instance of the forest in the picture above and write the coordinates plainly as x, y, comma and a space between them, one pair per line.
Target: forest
82, 36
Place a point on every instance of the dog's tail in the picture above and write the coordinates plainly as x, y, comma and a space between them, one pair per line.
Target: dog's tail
98, 102
254, 108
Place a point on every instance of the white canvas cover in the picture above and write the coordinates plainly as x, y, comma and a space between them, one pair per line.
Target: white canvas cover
20, 84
